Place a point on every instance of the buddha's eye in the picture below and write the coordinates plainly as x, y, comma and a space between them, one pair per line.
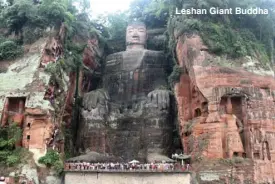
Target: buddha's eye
130, 30
141, 30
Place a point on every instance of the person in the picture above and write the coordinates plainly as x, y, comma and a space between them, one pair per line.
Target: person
66, 166
2, 180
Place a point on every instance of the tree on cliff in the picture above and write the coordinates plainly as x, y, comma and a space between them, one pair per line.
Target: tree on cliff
153, 13
234, 35
29, 20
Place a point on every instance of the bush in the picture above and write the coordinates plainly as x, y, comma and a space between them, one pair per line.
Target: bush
58, 167
9, 155
10, 50
12, 160
49, 159
52, 159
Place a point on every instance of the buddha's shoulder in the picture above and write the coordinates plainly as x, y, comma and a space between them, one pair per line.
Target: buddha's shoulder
154, 52
118, 56
115, 55
135, 51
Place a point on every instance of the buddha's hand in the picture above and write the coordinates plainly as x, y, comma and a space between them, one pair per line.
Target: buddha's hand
159, 98
96, 99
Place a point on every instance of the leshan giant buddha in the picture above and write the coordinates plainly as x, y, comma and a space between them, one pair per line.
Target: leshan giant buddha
129, 117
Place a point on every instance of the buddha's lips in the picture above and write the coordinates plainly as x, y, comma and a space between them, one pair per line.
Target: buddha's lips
135, 38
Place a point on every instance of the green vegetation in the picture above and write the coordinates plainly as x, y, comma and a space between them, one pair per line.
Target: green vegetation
116, 27
231, 35
52, 159
55, 70
9, 50
29, 20
10, 155
153, 13
25, 13
175, 75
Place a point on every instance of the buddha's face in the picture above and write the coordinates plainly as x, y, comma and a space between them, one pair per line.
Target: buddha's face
136, 35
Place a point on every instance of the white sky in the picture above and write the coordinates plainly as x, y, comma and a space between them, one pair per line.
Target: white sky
108, 6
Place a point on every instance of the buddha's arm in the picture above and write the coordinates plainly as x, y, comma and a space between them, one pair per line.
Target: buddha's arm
160, 95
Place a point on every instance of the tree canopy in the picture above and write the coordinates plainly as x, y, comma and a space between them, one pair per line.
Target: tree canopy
233, 35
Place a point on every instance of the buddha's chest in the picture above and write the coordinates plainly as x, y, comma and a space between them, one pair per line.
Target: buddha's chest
130, 61
131, 73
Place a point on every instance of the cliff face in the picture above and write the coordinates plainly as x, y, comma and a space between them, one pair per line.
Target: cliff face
37, 96
226, 109
23, 89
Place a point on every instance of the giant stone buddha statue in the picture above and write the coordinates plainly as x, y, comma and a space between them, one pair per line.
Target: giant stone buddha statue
129, 117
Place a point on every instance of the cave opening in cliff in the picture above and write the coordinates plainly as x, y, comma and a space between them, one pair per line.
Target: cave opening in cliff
266, 151
231, 109
14, 110
237, 106
256, 155
204, 107
197, 112
16, 104
236, 102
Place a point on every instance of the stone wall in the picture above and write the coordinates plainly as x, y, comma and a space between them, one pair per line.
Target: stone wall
126, 178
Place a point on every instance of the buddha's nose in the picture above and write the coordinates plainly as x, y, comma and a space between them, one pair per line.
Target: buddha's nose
135, 35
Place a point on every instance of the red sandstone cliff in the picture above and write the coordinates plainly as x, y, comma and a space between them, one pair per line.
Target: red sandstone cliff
226, 108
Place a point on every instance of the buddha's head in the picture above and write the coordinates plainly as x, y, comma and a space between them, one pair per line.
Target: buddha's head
136, 35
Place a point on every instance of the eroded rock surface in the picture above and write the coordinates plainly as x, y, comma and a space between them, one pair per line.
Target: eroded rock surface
226, 109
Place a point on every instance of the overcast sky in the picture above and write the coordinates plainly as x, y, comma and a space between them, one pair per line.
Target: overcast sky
109, 6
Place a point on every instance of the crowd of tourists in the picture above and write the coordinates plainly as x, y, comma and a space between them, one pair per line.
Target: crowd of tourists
78, 166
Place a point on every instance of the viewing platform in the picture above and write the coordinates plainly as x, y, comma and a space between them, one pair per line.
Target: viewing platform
123, 171
126, 177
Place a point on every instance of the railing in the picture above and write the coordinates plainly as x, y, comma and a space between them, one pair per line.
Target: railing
126, 168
